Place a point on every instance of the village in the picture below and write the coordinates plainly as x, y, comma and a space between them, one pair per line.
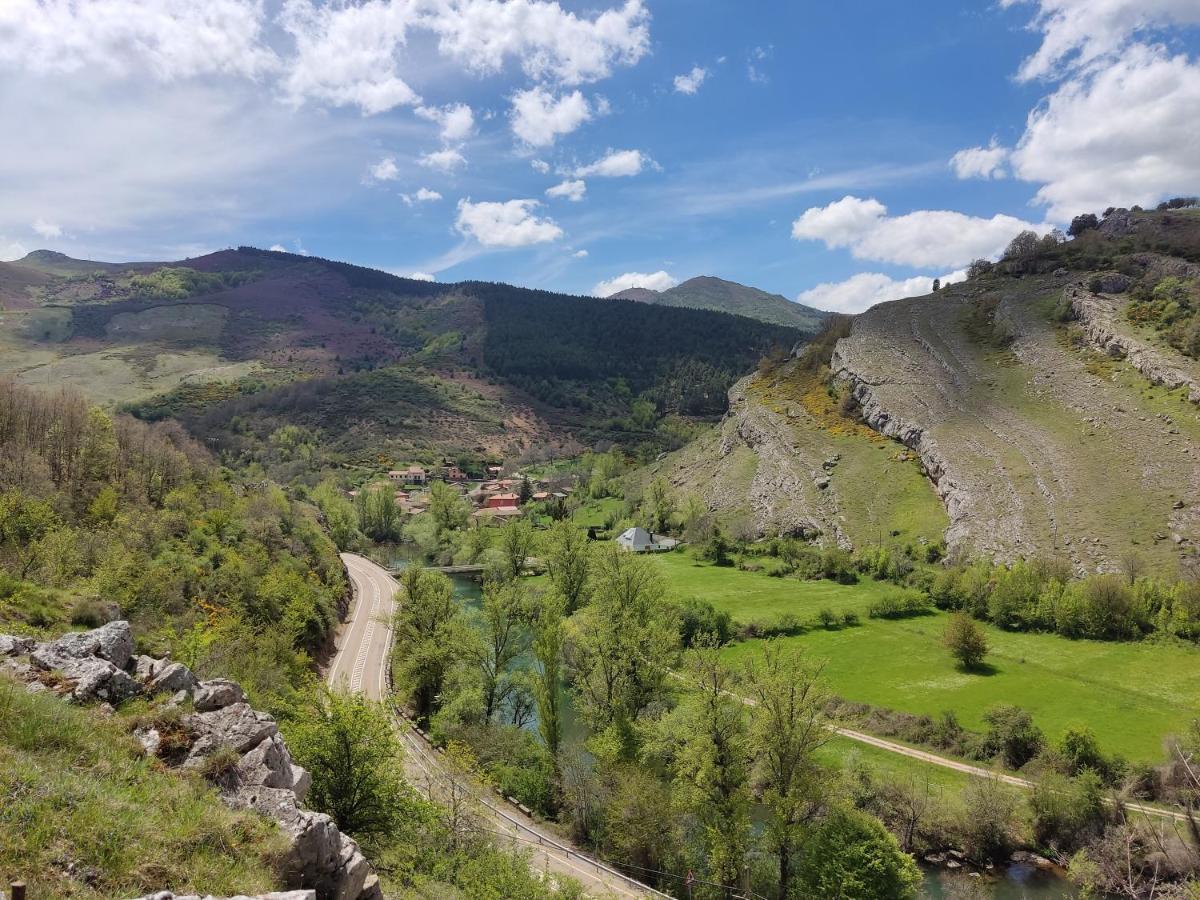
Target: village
503, 495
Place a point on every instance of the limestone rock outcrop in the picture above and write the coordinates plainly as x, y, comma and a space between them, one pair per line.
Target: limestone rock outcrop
99, 665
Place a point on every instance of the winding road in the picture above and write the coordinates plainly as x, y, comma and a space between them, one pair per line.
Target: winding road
360, 665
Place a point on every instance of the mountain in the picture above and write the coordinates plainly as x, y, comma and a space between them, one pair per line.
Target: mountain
240, 343
709, 292
1047, 408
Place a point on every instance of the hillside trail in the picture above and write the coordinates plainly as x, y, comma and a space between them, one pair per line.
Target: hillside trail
360, 665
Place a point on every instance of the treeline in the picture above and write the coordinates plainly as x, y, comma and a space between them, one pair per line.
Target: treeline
667, 768
560, 348
104, 516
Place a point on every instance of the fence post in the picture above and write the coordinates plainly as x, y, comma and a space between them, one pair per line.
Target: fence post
18, 890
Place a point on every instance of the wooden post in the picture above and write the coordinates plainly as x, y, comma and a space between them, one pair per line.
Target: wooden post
18, 890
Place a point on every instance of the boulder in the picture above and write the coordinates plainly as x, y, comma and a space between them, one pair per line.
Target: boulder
274, 895
146, 667
11, 645
113, 642
217, 694
1113, 283
171, 678
269, 764
99, 679
238, 727
301, 782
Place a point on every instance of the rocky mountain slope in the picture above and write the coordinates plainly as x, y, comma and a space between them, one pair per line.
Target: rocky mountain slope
1044, 422
709, 292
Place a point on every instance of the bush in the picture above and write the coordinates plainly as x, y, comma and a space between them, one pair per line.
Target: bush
88, 612
851, 854
900, 605
1011, 735
965, 640
699, 617
1067, 812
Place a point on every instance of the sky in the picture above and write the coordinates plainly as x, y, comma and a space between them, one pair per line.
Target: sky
839, 154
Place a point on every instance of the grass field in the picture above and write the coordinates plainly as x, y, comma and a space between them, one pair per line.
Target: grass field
1131, 694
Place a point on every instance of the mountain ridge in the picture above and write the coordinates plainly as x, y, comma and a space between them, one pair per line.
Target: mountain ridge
721, 295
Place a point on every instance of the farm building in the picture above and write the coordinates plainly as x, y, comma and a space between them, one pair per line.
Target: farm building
639, 540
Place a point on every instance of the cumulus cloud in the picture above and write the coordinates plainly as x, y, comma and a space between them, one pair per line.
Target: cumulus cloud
422, 195
981, 162
278, 248
420, 276
539, 118
47, 230
457, 120
508, 224
1127, 134
448, 159
616, 164
570, 190
347, 55
10, 250
167, 39
654, 281
922, 239
865, 289
1078, 34
384, 170
580, 254
540, 166
689, 82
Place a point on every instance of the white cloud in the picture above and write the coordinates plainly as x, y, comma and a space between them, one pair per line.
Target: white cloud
580, 254
616, 164
571, 190
420, 276
422, 195
690, 82
278, 248
168, 39
10, 250
1127, 134
1078, 34
445, 160
754, 64
508, 224
539, 118
384, 170
981, 162
654, 281
457, 121
865, 289
540, 165
923, 239
551, 43
47, 230
346, 55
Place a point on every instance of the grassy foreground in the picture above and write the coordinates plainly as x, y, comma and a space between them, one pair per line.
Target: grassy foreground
1131, 694
83, 815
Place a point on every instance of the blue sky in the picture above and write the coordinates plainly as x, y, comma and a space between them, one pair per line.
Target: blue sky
837, 153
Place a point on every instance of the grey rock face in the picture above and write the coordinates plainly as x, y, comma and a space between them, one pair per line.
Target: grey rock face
238, 727
217, 694
10, 645
113, 642
274, 895
171, 678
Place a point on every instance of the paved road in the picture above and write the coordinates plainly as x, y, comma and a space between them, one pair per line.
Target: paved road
360, 666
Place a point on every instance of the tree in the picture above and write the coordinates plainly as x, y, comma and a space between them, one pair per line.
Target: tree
516, 540
851, 854
547, 650
350, 748
979, 267
500, 623
711, 762
427, 627
1022, 253
340, 516
24, 521
1011, 735
660, 504
716, 551
448, 507
937, 285
787, 727
569, 563
622, 644
376, 507
965, 640
526, 490
1082, 223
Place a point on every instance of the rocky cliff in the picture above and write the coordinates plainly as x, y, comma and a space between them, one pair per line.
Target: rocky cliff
213, 722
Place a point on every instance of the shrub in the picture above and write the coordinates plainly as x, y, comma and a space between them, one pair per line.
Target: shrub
826, 618
900, 605
88, 613
699, 617
1011, 735
965, 640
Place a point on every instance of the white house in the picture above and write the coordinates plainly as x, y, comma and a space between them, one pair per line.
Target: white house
639, 540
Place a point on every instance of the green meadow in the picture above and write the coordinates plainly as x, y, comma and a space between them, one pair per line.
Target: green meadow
1131, 694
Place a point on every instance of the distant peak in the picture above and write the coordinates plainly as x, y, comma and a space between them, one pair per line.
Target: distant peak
45, 256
